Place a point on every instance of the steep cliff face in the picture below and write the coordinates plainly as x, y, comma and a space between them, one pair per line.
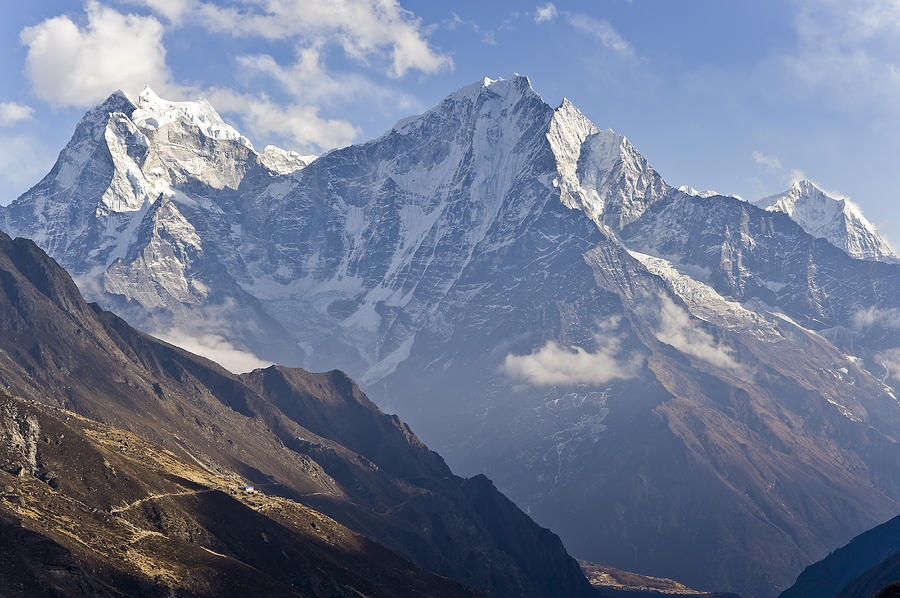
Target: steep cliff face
666, 379
837, 220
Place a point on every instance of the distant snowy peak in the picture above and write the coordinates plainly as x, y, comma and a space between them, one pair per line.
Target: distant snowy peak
483, 94
707, 193
837, 220
282, 161
518, 86
601, 172
154, 112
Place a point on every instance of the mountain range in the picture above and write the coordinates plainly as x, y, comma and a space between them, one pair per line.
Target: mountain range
680, 383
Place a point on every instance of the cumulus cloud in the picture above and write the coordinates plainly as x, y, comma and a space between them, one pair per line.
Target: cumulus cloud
300, 125
766, 160
216, 348
601, 30
555, 365
873, 316
11, 113
677, 328
68, 65
363, 28
545, 13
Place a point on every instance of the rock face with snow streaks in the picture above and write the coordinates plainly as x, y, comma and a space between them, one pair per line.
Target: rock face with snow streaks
664, 379
837, 220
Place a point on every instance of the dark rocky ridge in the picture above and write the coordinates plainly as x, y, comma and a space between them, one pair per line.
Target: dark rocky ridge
857, 570
60, 351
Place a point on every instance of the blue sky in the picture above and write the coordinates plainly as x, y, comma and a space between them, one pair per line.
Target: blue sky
740, 97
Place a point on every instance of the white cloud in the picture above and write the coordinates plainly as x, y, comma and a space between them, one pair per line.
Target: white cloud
68, 65
890, 360
766, 160
309, 82
301, 125
11, 113
873, 316
172, 10
363, 28
796, 174
545, 13
216, 348
677, 328
601, 30
554, 365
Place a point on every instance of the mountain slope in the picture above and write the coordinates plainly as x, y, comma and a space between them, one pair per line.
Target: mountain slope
881, 581
58, 350
665, 380
837, 220
859, 569
89, 510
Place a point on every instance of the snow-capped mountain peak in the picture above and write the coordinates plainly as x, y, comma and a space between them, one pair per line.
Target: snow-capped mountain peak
705, 193
601, 172
282, 161
836, 219
154, 112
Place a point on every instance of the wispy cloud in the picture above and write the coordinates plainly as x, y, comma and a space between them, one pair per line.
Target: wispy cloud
298, 124
791, 175
12, 113
553, 365
890, 361
874, 316
308, 81
766, 160
363, 28
675, 327
216, 348
545, 13
601, 30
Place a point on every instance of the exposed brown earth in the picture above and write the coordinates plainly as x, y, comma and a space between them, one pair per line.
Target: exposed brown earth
612, 582
105, 513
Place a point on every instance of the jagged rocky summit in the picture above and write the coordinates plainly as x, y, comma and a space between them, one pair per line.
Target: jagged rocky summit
835, 219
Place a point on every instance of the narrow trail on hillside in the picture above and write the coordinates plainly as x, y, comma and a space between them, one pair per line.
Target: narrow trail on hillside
155, 496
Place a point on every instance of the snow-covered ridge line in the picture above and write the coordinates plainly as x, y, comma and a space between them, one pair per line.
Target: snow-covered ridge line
836, 219
154, 112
